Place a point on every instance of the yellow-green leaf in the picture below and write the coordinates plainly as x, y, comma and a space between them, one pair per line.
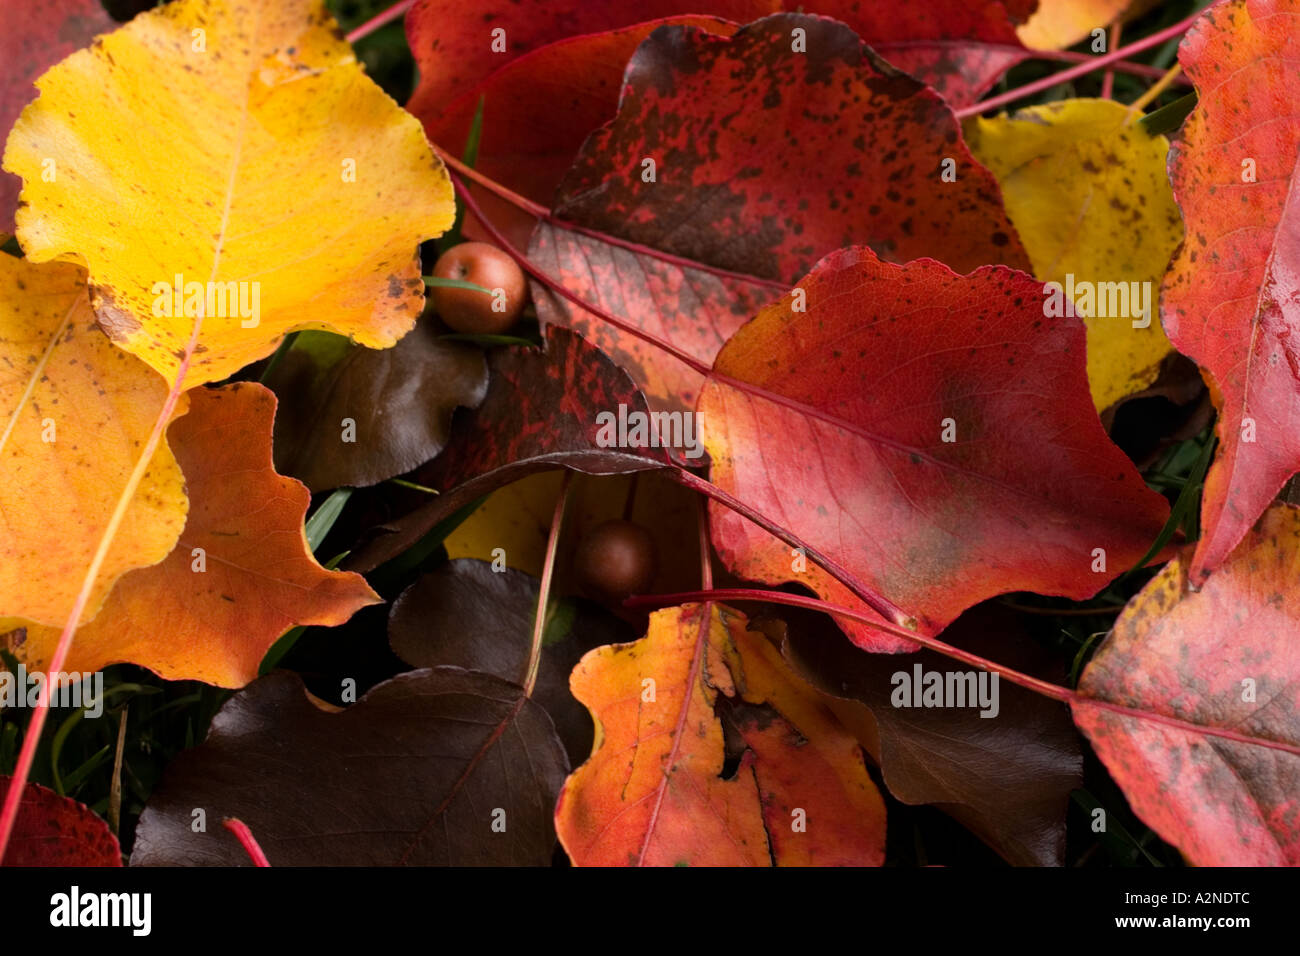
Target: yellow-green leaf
1089, 196
238, 145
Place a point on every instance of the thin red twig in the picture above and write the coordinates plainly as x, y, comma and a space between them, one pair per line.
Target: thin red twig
32, 735
246, 839
1119, 66
1055, 691
538, 211
557, 287
1082, 69
1108, 79
379, 20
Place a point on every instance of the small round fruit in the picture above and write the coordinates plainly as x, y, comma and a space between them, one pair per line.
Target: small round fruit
615, 560
466, 310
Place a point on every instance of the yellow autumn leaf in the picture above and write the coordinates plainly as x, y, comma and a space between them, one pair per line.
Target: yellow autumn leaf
228, 173
1091, 201
74, 415
1057, 24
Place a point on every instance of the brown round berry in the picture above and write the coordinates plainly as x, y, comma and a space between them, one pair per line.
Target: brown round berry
466, 310
615, 560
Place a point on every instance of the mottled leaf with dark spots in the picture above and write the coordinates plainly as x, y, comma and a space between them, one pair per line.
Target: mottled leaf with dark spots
414, 773
1223, 657
537, 110
931, 433
1007, 777
465, 614
399, 400
539, 414
35, 37
765, 159
54, 831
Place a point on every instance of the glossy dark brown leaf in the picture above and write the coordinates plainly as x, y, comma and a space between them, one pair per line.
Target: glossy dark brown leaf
414, 773
1006, 777
539, 414
467, 615
398, 401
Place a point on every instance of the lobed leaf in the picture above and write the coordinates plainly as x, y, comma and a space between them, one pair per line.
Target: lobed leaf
653, 792
241, 573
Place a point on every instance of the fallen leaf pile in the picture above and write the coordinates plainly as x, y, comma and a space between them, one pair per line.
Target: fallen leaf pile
857, 350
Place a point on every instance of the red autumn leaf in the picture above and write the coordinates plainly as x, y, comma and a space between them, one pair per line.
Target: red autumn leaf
1231, 299
537, 110
540, 105
54, 831
1223, 657
35, 37
453, 43
764, 160
958, 47
930, 432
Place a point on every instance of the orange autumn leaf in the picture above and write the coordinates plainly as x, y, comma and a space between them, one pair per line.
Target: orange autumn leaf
653, 792
259, 179
245, 531
74, 414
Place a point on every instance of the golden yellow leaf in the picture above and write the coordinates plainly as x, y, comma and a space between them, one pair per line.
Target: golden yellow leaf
237, 150
1090, 199
1057, 24
74, 415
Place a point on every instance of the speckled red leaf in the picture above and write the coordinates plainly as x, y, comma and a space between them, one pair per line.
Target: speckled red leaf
537, 110
34, 38
765, 160
1222, 657
539, 414
847, 447
1231, 299
54, 831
